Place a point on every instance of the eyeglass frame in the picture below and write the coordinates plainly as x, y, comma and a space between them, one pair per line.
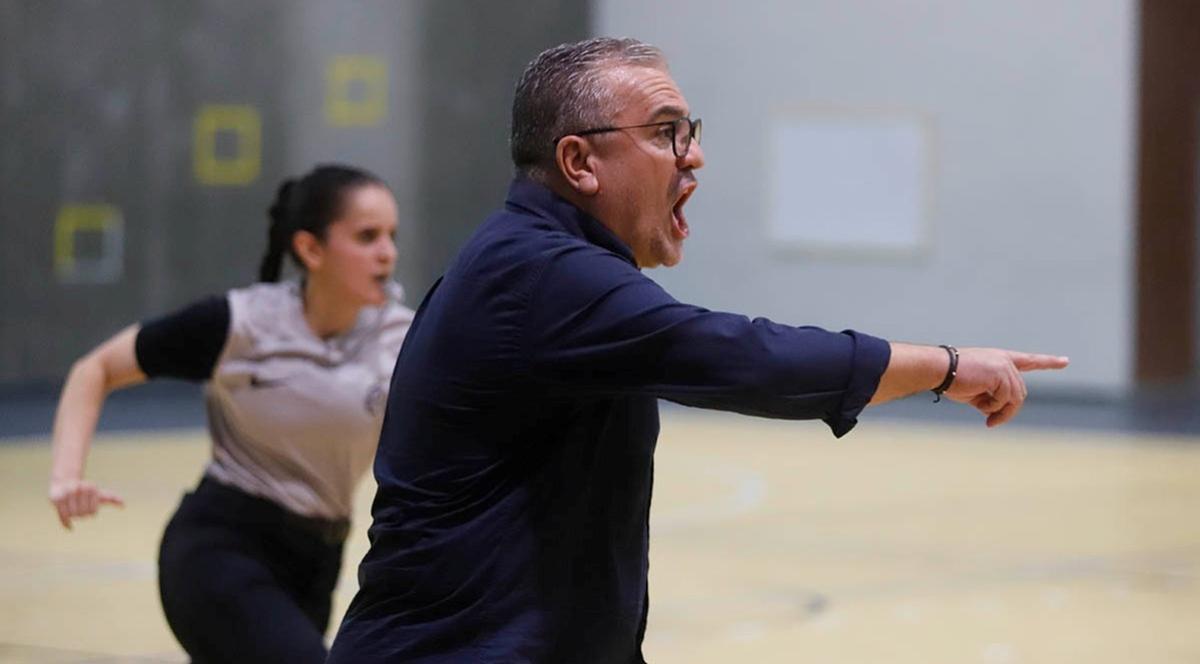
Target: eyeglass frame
693, 132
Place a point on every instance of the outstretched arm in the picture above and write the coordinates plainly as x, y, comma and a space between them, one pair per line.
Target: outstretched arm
989, 379
110, 366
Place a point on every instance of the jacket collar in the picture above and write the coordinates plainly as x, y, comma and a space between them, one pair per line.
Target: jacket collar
531, 197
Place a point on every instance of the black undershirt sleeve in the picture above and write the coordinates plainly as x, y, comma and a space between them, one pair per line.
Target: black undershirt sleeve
186, 343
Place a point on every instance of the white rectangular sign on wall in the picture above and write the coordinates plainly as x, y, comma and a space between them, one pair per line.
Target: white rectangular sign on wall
855, 183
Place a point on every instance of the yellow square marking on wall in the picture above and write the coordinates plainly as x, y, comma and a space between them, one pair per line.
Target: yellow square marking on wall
342, 109
75, 218
244, 123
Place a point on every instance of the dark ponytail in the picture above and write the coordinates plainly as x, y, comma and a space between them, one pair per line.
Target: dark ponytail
277, 232
308, 204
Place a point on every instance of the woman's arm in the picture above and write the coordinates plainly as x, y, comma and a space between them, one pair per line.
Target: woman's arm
110, 366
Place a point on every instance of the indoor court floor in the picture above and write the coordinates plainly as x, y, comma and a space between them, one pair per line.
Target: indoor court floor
902, 543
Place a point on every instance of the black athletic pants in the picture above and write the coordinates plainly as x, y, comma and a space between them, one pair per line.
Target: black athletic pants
244, 580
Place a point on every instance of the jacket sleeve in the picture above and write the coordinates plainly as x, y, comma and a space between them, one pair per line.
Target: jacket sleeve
598, 326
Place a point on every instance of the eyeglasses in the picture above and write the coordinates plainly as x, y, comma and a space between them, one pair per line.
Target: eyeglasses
683, 132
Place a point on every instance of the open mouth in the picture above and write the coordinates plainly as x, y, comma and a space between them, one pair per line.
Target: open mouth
681, 225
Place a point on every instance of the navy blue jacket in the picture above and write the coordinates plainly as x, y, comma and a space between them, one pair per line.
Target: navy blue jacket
516, 459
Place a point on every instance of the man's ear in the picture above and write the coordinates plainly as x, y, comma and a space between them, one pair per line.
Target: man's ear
576, 161
308, 249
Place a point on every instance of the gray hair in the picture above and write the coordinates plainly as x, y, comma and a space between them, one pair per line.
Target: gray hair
563, 91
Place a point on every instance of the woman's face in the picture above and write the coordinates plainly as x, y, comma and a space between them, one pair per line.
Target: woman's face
359, 249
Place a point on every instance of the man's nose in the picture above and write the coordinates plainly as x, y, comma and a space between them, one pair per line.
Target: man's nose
694, 158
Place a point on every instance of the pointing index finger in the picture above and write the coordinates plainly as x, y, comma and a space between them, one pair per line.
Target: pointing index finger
1037, 361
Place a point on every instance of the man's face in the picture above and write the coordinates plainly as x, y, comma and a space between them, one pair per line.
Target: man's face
642, 185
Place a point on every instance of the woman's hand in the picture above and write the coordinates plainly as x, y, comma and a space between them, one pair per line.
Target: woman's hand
74, 499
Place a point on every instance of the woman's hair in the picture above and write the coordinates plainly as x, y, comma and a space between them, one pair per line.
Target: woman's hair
310, 204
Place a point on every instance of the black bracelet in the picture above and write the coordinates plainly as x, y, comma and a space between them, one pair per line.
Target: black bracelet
951, 373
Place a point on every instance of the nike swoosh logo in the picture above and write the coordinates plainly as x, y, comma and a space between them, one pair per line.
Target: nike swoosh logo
257, 382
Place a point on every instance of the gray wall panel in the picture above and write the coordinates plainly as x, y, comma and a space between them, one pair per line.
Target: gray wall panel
474, 53
98, 104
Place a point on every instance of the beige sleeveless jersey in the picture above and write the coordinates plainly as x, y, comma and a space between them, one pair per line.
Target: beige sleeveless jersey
295, 418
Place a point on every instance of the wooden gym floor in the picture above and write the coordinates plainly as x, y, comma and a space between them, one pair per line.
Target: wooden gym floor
771, 542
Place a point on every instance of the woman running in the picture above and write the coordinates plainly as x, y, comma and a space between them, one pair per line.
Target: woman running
296, 376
